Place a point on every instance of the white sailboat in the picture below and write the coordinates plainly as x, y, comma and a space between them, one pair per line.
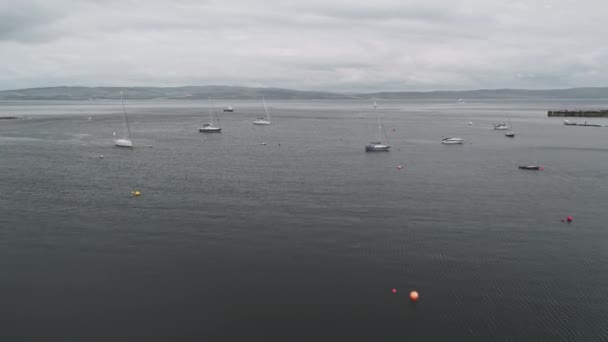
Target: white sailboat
125, 141
210, 127
501, 127
452, 141
377, 146
263, 121
510, 133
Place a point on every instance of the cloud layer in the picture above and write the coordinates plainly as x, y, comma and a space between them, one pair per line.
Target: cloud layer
337, 45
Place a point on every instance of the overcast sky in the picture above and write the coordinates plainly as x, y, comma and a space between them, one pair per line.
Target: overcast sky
337, 45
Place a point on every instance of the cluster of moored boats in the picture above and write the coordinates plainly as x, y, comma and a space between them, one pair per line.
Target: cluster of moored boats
376, 146
211, 127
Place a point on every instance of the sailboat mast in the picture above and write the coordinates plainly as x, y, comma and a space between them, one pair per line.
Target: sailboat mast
210, 110
379, 124
124, 111
379, 129
266, 109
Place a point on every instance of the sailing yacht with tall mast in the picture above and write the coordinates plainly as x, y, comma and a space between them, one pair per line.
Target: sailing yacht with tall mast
263, 120
510, 133
210, 127
378, 146
125, 141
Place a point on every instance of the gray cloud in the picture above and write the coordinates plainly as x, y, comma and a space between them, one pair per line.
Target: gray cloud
307, 44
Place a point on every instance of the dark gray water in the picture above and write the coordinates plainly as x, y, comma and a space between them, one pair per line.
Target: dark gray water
235, 241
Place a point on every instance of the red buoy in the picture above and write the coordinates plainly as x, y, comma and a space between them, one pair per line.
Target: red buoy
542, 168
394, 290
569, 218
414, 296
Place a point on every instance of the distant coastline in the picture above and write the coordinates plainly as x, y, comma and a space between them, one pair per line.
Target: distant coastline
579, 113
244, 93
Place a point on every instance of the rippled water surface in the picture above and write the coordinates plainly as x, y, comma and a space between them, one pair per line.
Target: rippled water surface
302, 238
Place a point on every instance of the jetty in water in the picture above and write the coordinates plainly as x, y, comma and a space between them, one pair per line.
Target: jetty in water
595, 113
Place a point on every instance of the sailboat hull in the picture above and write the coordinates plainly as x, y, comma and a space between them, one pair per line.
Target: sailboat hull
377, 148
530, 167
261, 122
452, 141
123, 143
210, 130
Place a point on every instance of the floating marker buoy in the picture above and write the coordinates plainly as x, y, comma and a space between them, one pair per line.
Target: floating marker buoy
399, 167
414, 296
135, 193
542, 168
394, 290
569, 218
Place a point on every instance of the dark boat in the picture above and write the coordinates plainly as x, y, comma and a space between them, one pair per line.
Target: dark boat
531, 167
229, 109
510, 134
589, 125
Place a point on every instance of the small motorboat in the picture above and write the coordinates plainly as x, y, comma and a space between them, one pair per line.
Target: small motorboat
450, 141
228, 109
376, 146
531, 167
510, 134
569, 123
501, 127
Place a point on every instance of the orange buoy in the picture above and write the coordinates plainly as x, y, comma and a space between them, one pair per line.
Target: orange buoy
414, 296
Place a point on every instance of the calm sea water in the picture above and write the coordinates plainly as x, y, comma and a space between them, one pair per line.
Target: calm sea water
303, 238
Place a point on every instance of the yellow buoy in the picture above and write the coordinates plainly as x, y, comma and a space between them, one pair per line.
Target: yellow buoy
135, 193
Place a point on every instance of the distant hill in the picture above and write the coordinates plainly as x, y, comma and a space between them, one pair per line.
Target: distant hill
229, 92
149, 93
572, 93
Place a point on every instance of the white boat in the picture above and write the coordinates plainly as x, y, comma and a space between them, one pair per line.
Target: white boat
501, 127
124, 141
263, 121
377, 146
451, 141
228, 109
210, 127
569, 123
